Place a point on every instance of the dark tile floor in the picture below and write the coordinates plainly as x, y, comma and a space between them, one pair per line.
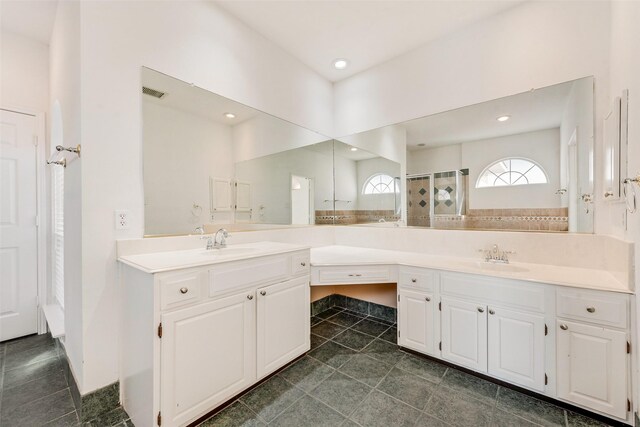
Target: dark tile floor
34, 389
355, 375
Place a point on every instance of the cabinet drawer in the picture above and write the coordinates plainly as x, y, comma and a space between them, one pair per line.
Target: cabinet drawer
596, 307
300, 263
355, 274
243, 274
418, 278
179, 289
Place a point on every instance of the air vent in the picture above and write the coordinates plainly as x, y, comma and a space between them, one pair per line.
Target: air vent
153, 92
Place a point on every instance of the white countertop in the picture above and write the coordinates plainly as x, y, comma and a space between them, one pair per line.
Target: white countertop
157, 262
552, 274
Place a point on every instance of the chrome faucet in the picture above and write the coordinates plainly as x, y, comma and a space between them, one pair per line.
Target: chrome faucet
210, 244
496, 255
223, 235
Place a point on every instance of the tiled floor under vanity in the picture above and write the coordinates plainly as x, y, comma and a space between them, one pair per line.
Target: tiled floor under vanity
355, 375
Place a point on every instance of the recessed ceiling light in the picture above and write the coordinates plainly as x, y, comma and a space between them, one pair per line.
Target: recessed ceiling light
354, 149
503, 118
340, 64
230, 115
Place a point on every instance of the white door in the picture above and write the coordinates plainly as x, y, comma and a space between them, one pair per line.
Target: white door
283, 324
464, 333
592, 367
300, 200
417, 323
207, 356
18, 233
516, 347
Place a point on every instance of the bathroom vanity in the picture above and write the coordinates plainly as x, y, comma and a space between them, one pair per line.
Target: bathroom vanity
199, 326
559, 331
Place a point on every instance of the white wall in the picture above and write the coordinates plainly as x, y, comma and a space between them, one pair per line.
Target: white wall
181, 151
65, 90
625, 74
436, 159
24, 73
192, 41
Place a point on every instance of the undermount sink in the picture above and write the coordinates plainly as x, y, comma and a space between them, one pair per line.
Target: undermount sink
498, 267
228, 251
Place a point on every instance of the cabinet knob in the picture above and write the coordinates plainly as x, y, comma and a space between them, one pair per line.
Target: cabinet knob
263, 293
608, 194
184, 290
564, 327
249, 297
427, 299
492, 312
414, 280
480, 309
304, 264
591, 309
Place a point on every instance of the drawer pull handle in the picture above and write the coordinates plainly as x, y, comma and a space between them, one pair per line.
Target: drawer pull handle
414, 280
564, 327
249, 297
591, 309
480, 309
355, 275
304, 264
184, 290
492, 312
263, 293
427, 299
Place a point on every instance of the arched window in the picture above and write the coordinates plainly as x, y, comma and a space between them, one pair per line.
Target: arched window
380, 183
512, 171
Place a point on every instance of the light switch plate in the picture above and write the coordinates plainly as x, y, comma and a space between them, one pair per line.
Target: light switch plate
122, 220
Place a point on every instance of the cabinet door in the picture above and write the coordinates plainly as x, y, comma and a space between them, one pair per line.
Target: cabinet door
417, 323
516, 347
283, 324
207, 356
464, 333
592, 367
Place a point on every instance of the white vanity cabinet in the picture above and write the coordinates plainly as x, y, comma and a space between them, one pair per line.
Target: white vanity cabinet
592, 350
207, 354
283, 324
418, 316
464, 333
193, 338
516, 347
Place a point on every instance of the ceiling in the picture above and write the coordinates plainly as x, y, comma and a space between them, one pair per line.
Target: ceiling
29, 18
529, 111
365, 32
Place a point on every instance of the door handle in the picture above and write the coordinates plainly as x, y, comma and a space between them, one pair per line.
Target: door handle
591, 309
427, 299
480, 309
184, 290
414, 280
263, 293
304, 264
492, 312
249, 297
564, 327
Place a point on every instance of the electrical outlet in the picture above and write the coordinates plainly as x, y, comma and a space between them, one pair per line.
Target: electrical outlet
122, 220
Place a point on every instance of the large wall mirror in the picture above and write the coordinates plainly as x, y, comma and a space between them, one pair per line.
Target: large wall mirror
524, 162
520, 163
211, 161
